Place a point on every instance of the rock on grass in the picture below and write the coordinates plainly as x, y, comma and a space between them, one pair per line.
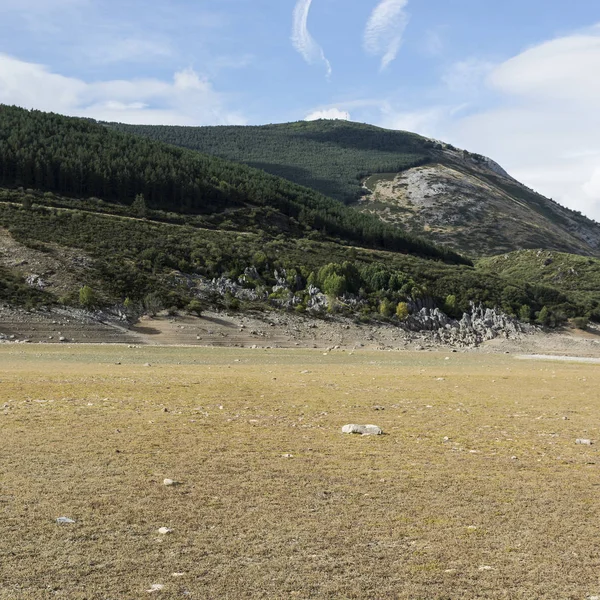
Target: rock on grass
362, 429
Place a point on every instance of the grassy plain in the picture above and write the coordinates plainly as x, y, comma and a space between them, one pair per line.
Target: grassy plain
506, 507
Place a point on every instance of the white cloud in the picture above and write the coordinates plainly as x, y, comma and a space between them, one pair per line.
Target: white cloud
328, 113
467, 75
303, 41
386, 25
592, 187
426, 121
547, 125
563, 70
187, 100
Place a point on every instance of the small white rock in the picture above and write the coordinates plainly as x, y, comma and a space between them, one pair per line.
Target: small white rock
177, 574
584, 442
486, 568
165, 531
155, 587
169, 482
362, 429
65, 521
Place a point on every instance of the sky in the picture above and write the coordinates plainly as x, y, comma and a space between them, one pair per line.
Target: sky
518, 80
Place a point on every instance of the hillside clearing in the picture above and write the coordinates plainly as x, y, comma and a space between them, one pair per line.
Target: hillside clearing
478, 488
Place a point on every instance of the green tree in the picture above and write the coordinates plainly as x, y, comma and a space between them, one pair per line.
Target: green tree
153, 304
334, 285
450, 305
195, 306
525, 313
87, 297
544, 317
139, 208
386, 308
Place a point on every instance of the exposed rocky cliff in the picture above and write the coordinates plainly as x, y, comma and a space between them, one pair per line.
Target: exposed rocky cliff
469, 203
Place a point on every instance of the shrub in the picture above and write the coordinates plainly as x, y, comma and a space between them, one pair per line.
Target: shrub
386, 308
153, 304
139, 208
581, 322
525, 313
402, 311
544, 317
195, 306
334, 285
87, 297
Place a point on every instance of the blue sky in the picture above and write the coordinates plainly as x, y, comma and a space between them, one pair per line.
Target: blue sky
516, 80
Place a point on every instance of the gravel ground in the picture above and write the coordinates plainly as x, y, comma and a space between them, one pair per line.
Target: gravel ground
266, 330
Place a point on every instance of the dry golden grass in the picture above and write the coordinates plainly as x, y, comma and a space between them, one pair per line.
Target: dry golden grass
405, 515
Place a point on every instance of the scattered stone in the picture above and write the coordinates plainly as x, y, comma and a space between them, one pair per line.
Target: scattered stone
514, 458
155, 587
62, 339
287, 456
486, 568
584, 442
177, 574
362, 429
147, 365
65, 521
165, 531
170, 482
378, 408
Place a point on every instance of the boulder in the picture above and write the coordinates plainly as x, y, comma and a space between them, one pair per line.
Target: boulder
362, 429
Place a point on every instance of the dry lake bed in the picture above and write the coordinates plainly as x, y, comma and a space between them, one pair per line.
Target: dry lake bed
477, 489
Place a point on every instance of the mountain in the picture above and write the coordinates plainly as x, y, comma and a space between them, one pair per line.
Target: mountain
92, 217
451, 197
80, 158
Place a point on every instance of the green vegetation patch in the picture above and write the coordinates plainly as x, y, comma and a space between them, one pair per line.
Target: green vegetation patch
333, 157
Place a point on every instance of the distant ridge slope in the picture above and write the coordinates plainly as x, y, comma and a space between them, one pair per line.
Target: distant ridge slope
80, 158
461, 200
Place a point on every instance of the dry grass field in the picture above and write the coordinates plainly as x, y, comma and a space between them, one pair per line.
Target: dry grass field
477, 490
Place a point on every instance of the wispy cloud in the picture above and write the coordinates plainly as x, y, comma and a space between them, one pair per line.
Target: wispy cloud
303, 41
386, 25
328, 113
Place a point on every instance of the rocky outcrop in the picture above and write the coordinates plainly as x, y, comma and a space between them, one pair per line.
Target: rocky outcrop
475, 327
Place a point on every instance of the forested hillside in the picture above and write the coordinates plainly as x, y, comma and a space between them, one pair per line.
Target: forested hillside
450, 197
138, 223
80, 158
148, 263
332, 157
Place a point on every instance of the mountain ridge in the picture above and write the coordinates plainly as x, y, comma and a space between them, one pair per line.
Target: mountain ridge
337, 158
142, 226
